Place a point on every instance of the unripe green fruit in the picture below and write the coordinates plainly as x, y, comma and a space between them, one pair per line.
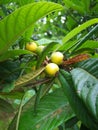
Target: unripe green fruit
57, 58
51, 69
31, 46
40, 49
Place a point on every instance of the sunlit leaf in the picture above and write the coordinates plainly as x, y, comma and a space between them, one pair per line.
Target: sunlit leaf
15, 24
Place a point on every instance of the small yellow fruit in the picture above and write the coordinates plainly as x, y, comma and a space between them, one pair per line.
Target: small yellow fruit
57, 58
51, 69
40, 49
31, 46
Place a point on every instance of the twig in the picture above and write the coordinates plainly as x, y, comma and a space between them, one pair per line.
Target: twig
42, 81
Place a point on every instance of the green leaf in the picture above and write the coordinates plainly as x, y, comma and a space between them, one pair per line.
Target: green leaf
15, 24
76, 103
86, 37
86, 87
44, 41
9, 71
78, 29
45, 52
52, 110
90, 65
27, 78
13, 53
89, 44
6, 106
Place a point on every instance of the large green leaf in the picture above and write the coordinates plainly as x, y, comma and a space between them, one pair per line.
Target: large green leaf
86, 87
52, 110
13, 53
15, 24
76, 103
90, 65
65, 41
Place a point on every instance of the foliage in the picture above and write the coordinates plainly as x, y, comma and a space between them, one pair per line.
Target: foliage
29, 98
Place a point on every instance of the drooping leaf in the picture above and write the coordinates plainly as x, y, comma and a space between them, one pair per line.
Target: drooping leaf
23, 80
86, 87
22, 19
13, 53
